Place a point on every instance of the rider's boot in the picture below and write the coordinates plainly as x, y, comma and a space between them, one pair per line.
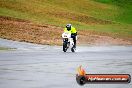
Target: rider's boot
74, 43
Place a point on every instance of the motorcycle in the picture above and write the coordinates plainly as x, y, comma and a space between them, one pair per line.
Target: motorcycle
68, 42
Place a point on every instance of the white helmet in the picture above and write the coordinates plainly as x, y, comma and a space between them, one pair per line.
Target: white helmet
68, 26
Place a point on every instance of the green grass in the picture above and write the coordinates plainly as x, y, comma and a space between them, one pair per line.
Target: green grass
104, 16
125, 9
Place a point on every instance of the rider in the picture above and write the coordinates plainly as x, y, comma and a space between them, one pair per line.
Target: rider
73, 32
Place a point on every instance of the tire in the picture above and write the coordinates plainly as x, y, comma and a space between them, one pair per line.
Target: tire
81, 80
64, 47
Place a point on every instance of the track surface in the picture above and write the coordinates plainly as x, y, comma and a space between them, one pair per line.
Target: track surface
38, 66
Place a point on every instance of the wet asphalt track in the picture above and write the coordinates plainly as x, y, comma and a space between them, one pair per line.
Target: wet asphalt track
38, 66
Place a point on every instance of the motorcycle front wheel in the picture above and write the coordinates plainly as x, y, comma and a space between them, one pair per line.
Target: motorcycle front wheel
64, 47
